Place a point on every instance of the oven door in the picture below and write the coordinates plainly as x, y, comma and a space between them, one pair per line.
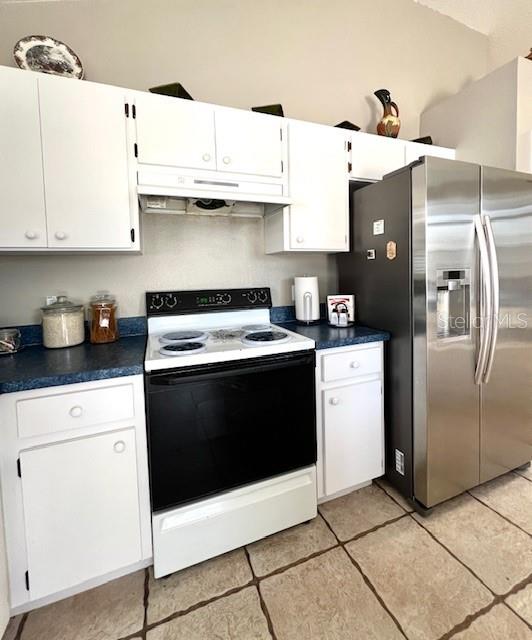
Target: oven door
219, 426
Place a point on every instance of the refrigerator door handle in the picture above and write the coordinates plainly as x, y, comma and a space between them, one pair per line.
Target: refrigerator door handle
486, 301
495, 292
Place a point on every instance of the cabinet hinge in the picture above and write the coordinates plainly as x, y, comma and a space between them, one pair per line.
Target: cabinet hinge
282, 166
136, 150
19, 469
132, 235
281, 133
133, 111
27, 579
126, 108
348, 145
349, 167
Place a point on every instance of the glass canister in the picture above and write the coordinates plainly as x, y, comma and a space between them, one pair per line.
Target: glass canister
63, 324
103, 319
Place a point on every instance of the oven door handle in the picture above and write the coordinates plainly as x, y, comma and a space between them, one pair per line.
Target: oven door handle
237, 367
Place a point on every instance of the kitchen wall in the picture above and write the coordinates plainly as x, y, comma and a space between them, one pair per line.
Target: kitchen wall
321, 58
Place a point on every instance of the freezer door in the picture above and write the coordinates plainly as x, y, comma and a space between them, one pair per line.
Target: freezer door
445, 202
506, 431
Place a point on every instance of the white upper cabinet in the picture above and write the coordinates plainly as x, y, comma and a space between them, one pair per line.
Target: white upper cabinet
373, 156
318, 219
416, 150
248, 142
175, 133
22, 213
85, 159
193, 149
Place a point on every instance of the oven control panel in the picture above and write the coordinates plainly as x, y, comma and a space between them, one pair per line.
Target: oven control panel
160, 303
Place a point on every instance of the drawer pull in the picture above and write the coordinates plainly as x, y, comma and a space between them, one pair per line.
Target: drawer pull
31, 235
206, 157
60, 235
299, 239
119, 446
355, 365
334, 401
226, 160
76, 412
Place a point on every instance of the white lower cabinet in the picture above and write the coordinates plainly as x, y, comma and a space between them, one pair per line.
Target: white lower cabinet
81, 509
75, 495
350, 418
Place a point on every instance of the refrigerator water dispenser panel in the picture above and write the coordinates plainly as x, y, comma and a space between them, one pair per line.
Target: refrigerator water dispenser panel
453, 303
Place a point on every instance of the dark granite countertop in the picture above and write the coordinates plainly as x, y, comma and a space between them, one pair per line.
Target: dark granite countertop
36, 367
327, 337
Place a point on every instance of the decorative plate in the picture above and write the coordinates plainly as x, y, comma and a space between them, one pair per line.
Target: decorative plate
47, 55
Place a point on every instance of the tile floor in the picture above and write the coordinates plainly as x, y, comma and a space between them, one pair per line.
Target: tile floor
366, 568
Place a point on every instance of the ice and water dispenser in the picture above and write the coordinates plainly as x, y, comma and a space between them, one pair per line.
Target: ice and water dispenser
453, 304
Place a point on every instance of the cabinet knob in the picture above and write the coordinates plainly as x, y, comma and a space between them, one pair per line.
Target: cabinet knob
76, 411
355, 365
334, 401
299, 239
60, 235
206, 157
226, 160
119, 446
31, 235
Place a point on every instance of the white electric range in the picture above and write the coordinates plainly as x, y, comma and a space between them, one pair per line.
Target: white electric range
230, 406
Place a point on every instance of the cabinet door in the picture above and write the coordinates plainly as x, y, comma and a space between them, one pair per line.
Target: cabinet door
249, 143
175, 133
416, 150
85, 165
374, 156
22, 217
81, 509
319, 187
353, 435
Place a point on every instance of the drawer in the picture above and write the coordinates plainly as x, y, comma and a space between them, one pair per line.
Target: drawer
53, 413
352, 363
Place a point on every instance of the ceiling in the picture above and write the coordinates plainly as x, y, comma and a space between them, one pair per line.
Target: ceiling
507, 23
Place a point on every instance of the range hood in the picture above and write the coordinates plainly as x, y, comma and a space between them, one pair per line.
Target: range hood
202, 206
161, 190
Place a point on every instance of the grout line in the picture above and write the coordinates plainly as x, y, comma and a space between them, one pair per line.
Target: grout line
362, 534
296, 563
378, 484
146, 600
499, 514
367, 581
21, 624
517, 614
199, 605
497, 598
261, 598
516, 473
451, 553
468, 621
266, 613
370, 586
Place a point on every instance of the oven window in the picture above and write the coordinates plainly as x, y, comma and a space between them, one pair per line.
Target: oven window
219, 430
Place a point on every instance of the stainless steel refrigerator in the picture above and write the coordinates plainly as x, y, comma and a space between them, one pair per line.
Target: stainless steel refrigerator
441, 256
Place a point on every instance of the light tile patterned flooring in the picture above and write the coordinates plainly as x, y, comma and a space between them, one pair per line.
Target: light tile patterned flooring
366, 568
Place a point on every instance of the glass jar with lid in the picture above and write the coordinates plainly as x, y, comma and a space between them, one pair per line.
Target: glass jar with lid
103, 319
63, 324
